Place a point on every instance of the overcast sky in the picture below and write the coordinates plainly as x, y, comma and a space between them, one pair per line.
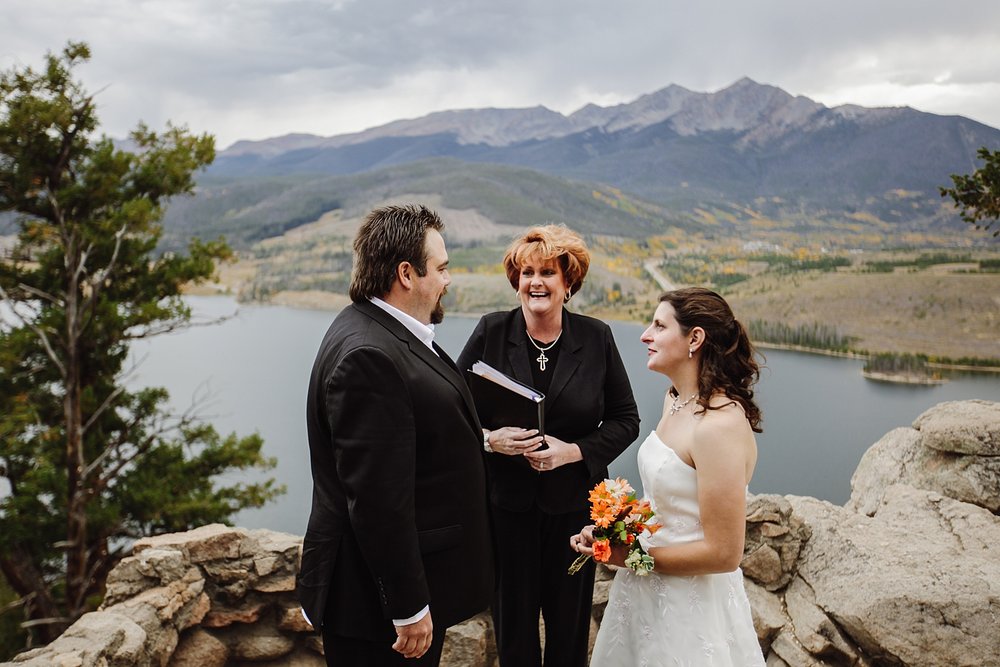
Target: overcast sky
252, 69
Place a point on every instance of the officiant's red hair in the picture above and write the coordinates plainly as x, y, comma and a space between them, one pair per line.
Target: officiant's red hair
547, 242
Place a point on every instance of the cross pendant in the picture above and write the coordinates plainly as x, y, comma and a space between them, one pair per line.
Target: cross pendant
541, 361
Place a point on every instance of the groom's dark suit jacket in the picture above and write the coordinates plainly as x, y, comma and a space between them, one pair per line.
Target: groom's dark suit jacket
399, 517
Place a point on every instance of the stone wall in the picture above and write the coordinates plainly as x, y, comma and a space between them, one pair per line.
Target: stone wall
906, 573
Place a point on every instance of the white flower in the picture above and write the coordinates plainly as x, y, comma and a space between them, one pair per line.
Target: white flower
640, 562
618, 487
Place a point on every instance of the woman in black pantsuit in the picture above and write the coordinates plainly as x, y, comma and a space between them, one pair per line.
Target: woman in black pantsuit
539, 496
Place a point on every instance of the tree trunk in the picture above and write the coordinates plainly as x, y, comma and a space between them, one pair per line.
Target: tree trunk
76, 496
19, 570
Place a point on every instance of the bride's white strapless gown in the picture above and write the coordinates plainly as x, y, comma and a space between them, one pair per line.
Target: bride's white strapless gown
673, 621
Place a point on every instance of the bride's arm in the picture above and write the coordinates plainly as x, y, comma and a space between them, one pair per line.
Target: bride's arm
723, 451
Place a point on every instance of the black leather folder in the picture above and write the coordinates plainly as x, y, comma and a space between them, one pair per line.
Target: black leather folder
503, 401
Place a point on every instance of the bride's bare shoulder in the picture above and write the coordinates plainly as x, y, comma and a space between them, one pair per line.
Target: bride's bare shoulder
725, 417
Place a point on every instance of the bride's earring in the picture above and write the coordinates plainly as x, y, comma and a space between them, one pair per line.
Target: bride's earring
690, 352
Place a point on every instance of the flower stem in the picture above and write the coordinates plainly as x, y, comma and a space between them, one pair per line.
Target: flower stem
580, 561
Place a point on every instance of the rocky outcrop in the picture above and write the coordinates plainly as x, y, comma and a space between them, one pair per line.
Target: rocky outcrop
205, 597
906, 573
211, 597
952, 449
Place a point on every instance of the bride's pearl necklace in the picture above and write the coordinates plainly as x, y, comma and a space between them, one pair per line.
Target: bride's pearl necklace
678, 405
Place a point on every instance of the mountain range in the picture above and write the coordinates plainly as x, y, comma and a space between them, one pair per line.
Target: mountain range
751, 150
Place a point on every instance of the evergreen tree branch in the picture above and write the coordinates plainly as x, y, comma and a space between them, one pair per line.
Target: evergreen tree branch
102, 275
42, 294
176, 325
6, 298
107, 403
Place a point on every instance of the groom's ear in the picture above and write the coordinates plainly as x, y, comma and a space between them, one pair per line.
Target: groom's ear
404, 274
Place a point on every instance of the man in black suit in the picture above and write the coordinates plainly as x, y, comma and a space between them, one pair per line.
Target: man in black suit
399, 532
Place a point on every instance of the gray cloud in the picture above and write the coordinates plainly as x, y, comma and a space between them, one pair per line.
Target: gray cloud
259, 68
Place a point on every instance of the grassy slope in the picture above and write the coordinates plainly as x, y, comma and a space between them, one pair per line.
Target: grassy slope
250, 210
484, 206
938, 310
928, 311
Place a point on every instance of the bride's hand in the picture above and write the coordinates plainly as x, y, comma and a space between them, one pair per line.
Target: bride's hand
618, 554
582, 541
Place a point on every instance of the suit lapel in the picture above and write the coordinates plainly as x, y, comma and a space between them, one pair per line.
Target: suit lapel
569, 360
517, 349
442, 365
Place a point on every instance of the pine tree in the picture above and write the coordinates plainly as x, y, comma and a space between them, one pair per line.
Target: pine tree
977, 195
89, 463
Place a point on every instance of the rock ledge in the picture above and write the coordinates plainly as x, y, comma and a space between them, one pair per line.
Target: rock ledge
906, 573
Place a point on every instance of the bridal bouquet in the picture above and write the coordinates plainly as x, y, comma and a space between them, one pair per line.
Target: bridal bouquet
619, 519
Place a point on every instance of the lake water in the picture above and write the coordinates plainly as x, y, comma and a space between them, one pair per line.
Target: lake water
820, 414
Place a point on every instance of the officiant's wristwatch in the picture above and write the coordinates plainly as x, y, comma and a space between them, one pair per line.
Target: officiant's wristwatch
486, 440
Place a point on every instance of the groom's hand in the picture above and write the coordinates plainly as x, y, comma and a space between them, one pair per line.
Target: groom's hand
414, 639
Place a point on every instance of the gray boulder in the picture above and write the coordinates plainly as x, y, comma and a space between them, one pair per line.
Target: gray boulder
962, 427
952, 449
917, 583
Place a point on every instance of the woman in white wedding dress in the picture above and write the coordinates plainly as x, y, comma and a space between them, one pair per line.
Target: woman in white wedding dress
695, 468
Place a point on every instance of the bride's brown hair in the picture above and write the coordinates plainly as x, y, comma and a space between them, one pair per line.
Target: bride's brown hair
727, 355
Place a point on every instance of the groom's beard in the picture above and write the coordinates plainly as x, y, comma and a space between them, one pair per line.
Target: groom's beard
437, 315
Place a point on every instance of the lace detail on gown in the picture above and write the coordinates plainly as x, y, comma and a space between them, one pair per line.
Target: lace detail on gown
668, 621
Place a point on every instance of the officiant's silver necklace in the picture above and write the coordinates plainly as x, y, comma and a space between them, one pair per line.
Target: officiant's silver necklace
542, 359
678, 405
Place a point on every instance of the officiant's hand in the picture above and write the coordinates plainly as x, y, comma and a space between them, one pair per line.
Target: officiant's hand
514, 441
413, 640
558, 453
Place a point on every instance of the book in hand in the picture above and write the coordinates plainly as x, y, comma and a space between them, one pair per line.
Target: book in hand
503, 401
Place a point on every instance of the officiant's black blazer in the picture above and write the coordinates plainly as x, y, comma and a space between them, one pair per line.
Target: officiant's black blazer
399, 511
589, 402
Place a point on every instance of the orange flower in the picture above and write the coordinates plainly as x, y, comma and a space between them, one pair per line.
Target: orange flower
602, 513
599, 492
619, 518
602, 550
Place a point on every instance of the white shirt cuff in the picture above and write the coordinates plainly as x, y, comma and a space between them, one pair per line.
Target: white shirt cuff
412, 619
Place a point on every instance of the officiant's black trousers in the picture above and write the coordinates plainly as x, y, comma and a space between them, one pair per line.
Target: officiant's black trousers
533, 555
